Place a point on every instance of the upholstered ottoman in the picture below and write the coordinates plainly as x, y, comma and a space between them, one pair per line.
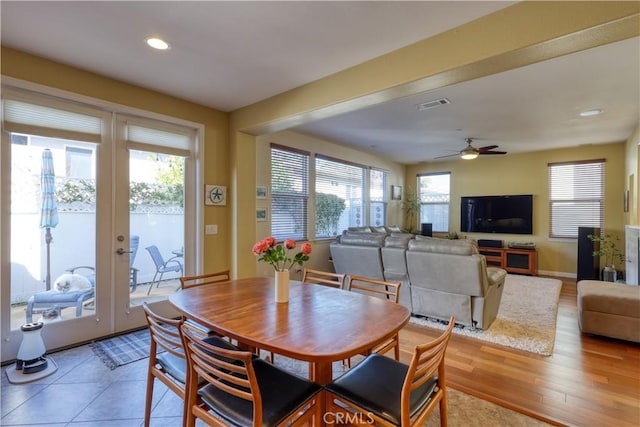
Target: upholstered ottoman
609, 309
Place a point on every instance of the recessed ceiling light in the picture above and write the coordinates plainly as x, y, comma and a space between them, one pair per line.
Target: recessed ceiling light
157, 43
590, 113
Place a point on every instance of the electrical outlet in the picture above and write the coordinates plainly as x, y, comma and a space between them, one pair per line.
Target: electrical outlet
211, 229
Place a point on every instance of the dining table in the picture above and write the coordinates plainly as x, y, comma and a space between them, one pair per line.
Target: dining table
318, 324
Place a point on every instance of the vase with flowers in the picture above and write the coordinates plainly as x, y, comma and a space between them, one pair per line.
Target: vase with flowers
608, 249
279, 256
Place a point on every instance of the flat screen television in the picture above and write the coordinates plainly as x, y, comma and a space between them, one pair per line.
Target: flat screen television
497, 214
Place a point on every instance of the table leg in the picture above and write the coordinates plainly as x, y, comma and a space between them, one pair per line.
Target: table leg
322, 373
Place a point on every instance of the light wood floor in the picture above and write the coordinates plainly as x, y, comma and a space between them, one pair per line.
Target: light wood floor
587, 381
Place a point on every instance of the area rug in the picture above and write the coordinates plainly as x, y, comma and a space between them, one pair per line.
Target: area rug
123, 349
526, 317
463, 409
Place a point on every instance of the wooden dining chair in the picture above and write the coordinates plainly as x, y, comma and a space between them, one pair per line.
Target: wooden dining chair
167, 358
386, 392
240, 389
334, 280
204, 279
380, 289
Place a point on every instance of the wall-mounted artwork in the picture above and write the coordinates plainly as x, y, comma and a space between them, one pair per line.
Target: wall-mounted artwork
261, 192
396, 192
215, 195
261, 214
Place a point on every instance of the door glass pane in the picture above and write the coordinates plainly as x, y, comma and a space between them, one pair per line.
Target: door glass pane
156, 224
53, 229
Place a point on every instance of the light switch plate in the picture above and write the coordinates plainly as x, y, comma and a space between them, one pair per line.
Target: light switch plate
211, 229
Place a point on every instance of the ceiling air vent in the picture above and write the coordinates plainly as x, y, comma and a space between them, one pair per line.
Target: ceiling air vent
433, 104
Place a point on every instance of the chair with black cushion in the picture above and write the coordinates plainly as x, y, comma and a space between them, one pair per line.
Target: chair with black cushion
380, 289
243, 390
167, 358
204, 279
390, 393
162, 266
334, 280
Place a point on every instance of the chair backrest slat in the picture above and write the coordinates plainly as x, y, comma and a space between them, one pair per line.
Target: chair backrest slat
334, 280
205, 279
379, 288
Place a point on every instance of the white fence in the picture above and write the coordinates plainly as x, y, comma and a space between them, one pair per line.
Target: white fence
74, 244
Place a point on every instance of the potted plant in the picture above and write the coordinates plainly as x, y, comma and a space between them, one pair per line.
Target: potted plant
411, 206
611, 254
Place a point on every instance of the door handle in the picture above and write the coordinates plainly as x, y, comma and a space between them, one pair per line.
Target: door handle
121, 251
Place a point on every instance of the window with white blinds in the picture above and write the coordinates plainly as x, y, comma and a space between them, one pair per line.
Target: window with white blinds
434, 195
289, 193
576, 197
339, 196
50, 119
377, 197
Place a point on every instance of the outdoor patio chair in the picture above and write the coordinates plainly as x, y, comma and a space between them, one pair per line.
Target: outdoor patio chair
54, 300
162, 266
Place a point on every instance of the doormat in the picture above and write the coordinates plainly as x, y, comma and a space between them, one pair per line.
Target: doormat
123, 349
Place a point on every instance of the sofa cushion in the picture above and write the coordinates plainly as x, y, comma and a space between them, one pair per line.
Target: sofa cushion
362, 239
608, 297
381, 229
359, 229
397, 242
443, 246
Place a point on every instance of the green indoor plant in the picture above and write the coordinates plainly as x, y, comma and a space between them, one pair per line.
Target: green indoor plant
609, 252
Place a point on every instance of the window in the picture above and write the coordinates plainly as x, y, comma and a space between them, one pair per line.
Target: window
377, 197
339, 196
289, 193
576, 197
434, 196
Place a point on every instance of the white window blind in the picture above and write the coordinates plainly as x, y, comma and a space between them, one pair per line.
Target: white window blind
576, 197
161, 137
53, 121
339, 196
289, 193
434, 193
377, 197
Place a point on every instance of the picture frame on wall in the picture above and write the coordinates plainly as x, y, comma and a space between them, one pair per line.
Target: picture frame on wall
396, 192
261, 214
262, 192
215, 195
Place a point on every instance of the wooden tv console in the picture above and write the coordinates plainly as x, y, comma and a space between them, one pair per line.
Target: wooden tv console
521, 261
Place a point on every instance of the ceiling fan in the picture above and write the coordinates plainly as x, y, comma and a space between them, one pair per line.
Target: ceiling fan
470, 152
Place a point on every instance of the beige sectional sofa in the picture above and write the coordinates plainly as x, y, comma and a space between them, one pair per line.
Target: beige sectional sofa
609, 309
439, 277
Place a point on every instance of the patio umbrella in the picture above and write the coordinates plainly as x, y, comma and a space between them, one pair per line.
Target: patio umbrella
49, 207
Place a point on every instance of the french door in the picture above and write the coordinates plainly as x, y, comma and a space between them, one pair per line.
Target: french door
85, 192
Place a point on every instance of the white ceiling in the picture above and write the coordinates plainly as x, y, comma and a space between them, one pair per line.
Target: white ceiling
231, 54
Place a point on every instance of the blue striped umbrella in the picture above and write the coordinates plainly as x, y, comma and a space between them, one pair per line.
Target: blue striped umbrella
49, 207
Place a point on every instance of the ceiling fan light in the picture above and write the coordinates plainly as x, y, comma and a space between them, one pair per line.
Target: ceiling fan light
469, 153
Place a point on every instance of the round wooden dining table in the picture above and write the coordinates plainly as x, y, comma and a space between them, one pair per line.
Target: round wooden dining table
318, 324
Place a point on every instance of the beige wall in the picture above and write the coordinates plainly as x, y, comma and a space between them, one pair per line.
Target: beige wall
522, 34
320, 257
527, 174
216, 147
632, 179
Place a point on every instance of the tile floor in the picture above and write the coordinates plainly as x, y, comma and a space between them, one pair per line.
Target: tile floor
84, 392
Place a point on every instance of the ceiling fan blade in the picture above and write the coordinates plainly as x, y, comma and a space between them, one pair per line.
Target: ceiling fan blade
492, 152
448, 155
488, 147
